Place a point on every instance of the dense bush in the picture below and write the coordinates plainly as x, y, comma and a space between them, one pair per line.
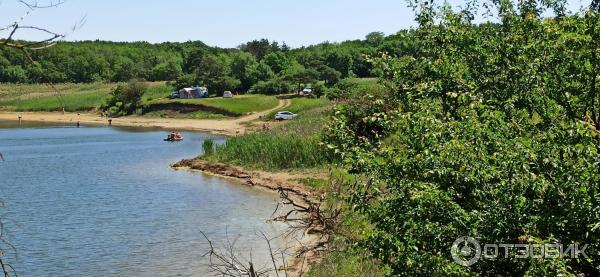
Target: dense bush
126, 98
352, 88
488, 131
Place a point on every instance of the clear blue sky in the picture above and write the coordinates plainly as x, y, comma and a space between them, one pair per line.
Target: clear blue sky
225, 23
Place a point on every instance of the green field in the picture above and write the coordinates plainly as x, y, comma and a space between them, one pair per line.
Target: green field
89, 97
192, 115
40, 97
75, 97
239, 105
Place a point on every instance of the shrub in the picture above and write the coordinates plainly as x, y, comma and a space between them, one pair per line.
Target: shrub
126, 98
483, 132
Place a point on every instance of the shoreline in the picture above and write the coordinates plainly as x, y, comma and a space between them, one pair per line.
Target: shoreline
213, 126
271, 182
226, 127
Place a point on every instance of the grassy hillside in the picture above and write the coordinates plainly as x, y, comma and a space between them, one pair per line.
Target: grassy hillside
239, 105
40, 97
76, 97
89, 97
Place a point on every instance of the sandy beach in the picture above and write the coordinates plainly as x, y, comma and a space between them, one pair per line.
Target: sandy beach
230, 127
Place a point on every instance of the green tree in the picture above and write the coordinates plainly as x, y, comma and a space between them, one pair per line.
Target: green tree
278, 61
126, 98
184, 81
260, 48
166, 71
484, 131
273, 86
214, 72
14, 74
375, 38
262, 72
329, 75
243, 67
299, 75
340, 61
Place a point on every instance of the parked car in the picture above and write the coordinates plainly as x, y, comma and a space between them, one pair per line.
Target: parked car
227, 94
307, 91
174, 95
285, 115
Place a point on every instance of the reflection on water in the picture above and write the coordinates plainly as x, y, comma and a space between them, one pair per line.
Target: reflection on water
102, 201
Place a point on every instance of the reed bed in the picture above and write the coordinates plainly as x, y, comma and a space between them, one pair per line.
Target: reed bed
294, 145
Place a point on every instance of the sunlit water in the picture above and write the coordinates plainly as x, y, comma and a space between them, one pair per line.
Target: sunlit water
101, 201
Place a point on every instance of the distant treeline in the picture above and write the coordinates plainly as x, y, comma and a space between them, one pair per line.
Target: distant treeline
267, 66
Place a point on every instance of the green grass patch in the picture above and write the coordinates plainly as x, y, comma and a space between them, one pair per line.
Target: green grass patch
161, 91
293, 145
350, 263
318, 184
238, 105
243, 105
192, 115
364, 81
76, 97
72, 102
303, 104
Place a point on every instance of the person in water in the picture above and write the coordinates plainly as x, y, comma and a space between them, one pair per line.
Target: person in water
171, 136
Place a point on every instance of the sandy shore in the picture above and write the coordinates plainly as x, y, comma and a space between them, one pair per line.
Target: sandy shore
230, 127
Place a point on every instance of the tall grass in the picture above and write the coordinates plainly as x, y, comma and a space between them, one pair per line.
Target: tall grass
208, 146
269, 151
294, 145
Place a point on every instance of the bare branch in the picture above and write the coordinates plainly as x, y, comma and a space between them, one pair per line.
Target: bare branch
225, 262
32, 5
14, 27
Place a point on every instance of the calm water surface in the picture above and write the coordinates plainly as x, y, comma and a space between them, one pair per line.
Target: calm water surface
103, 202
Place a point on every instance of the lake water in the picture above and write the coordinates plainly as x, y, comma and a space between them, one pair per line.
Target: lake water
96, 201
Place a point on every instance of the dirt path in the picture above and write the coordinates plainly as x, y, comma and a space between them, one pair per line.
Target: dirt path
229, 127
283, 103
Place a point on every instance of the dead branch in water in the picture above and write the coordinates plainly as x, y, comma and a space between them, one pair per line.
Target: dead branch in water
315, 218
319, 218
224, 261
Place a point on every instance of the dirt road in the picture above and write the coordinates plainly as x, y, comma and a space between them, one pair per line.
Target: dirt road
229, 127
